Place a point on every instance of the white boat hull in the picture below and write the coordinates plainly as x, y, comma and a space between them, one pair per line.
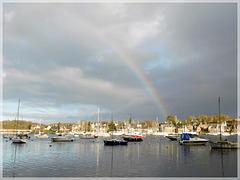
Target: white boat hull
63, 138
189, 138
18, 140
189, 142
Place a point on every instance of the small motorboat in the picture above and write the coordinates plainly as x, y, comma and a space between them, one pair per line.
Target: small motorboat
189, 138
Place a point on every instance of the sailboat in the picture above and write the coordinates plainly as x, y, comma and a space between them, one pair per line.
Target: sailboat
87, 135
113, 141
223, 144
41, 135
100, 133
17, 138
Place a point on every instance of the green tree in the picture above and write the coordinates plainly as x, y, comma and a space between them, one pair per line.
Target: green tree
130, 120
171, 120
29, 126
58, 126
88, 126
112, 127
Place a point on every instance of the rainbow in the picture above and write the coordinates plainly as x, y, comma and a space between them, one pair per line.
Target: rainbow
145, 82
127, 60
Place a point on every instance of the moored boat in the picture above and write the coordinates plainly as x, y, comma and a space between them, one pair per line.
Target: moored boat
188, 138
113, 142
173, 137
62, 138
223, 144
18, 138
42, 136
130, 138
87, 136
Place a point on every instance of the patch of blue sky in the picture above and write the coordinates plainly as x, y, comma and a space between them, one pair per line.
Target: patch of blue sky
155, 63
78, 109
161, 60
106, 50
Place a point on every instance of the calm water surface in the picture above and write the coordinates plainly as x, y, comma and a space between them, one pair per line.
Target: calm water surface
156, 156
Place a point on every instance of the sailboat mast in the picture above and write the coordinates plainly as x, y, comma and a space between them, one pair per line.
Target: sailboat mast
219, 118
17, 116
112, 124
98, 120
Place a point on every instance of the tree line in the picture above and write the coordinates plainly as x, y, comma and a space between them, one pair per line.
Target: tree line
204, 119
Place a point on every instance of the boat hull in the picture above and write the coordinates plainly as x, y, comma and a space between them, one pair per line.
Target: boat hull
186, 142
132, 139
42, 137
61, 140
173, 138
18, 140
87, 137
112, 142
189, 138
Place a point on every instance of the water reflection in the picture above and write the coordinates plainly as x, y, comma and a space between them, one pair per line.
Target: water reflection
17, 149
112, 163
227, 160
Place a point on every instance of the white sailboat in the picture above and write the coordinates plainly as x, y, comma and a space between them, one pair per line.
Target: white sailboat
101, 133
41, 135
86, 134
18, 139
223, 144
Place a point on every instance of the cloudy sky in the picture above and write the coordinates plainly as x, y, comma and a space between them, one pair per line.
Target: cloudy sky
64, 61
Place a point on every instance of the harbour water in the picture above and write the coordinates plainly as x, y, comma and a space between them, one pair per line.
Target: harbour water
155, 156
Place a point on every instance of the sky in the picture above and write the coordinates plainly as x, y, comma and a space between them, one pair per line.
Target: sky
144, 60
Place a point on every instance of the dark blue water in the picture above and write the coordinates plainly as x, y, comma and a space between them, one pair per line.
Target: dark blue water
156, 156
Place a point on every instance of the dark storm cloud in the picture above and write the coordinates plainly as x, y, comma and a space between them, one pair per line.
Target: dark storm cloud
71, 57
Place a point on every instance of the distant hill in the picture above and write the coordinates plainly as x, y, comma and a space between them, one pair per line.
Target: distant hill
21, 124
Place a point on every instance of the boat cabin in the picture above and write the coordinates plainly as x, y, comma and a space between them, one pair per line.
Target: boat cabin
187, 136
